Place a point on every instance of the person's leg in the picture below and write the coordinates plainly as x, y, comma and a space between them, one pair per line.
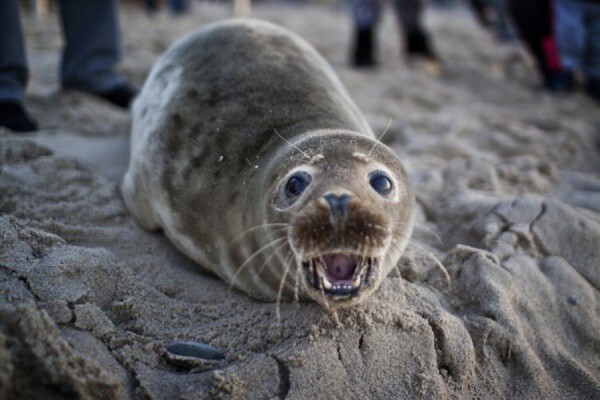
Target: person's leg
93, 49
591, 58
569, 31
534, 20
480, 8
151, 6
13, 70
416, 39
178, 6
365, 14
504, 29
13, 64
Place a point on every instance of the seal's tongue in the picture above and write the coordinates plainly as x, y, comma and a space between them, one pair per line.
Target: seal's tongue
339, 267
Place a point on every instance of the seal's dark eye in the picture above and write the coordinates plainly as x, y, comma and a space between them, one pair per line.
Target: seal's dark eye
381, 183
296, 184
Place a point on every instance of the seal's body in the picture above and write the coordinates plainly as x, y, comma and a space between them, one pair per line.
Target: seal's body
250, 155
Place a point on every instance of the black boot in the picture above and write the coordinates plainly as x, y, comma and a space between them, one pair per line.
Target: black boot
14, 117
482, 13
364, 48
121, 96
417, 43
561, 81
593, 88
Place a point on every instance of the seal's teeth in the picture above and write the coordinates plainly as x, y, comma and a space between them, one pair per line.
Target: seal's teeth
316, 275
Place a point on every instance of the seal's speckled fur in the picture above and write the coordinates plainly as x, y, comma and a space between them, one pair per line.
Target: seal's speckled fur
224, 117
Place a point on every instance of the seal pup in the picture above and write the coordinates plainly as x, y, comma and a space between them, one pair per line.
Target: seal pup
251, 156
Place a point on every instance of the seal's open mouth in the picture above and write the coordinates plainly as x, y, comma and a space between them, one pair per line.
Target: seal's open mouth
339, 275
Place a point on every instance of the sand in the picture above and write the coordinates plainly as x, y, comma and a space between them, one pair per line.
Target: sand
508, 195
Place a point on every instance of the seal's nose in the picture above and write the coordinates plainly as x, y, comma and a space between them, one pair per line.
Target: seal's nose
338, 205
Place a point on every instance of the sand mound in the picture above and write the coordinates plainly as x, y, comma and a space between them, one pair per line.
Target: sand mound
89, 301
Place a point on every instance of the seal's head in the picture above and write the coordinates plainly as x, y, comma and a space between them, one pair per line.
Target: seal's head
350, 208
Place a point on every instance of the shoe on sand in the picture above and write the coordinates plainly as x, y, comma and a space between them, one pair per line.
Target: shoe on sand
364, 47
121, 96
14, 117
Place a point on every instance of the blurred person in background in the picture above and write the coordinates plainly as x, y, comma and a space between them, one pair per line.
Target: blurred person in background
534, 20
494, 14
177, 7
366, 15
91, 52
577, 27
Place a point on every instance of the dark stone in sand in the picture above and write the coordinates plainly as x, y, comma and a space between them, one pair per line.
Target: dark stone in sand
195, 349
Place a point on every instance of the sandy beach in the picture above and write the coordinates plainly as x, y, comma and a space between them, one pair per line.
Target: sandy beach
497, 295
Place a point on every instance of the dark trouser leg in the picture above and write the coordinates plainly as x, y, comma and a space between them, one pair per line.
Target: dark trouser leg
13, 70
92, 45
534, 21
13, 64
151, 5
366, 15
364, 47
416, 39
591, 55
480, 8
570, 33
178, 6
591, 59
504, 29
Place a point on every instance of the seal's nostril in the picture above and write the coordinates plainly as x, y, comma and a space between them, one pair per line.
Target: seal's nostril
338, 204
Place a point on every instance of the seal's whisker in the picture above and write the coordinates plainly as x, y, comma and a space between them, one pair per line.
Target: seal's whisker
336, 318
436, 260
297, 286
273, 253
281, 284
432, 231
393, 242
325, 300
252, 229
396, 265
297, 280
362, 254
380, 136
368, 242
365, 246
257, 252
292, 144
